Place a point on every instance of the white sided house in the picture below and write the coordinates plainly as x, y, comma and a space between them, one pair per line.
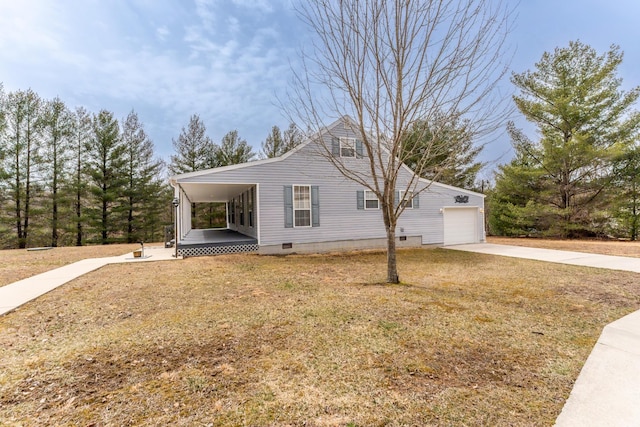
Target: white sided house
300, 202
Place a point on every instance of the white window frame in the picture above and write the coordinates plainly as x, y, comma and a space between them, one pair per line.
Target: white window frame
408, 204
372, 196
347, 143
296, 208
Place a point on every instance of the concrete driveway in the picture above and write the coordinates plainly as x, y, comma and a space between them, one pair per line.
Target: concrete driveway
550, 255
607, 391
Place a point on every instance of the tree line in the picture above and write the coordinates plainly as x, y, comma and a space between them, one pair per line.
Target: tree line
72, 177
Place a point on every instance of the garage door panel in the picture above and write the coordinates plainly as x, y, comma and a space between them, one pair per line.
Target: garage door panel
460, 226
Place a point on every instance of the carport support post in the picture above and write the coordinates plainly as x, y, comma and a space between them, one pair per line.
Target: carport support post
175, 203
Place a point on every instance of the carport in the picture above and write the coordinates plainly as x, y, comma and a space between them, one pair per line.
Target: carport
241, 233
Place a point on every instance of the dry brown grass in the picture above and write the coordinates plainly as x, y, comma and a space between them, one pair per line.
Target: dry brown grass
18, 264
604, 247
467, 339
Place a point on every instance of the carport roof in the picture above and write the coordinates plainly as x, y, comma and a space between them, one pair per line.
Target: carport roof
202, 192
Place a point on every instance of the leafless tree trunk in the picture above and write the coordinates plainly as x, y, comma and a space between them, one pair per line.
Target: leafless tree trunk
389, 64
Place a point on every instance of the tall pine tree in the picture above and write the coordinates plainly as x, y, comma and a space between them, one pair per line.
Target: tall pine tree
278, 143
80, 142
142, 172
233, 150
292, 137
446, 155
105, 165
193, 148
57, 123
273, 145
584, 121
194, 151
626, 202
18, 172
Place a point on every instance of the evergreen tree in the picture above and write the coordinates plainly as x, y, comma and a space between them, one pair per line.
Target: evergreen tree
3, 119
142, 173
292, 137
233, 150
584, 121
626, 203
194, 151
193, 148
273, 145
81, 141
105, 164
447, 155
278, 143
20, 156
4, 229
57, 125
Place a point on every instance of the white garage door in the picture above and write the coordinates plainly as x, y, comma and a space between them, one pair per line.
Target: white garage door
460, 226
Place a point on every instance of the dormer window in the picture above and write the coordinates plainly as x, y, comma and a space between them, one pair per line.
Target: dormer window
347, 147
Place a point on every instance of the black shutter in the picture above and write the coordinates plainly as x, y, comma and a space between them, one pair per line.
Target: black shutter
360, 199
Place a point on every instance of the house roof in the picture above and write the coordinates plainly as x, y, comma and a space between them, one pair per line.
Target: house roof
198, 191
185, 176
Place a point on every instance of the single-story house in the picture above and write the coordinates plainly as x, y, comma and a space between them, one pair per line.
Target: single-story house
300, 202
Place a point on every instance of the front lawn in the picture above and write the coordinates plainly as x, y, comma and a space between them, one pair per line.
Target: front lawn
467, 339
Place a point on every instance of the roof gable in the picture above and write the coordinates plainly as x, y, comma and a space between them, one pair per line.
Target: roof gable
312, 139
212, 171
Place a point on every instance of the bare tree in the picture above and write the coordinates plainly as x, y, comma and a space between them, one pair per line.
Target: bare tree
390, 64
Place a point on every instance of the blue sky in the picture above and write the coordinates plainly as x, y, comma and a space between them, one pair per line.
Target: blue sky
230, 60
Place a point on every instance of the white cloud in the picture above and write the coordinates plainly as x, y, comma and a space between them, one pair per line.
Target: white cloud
165, 61
162, 33
204, 10
256, 5
233, 24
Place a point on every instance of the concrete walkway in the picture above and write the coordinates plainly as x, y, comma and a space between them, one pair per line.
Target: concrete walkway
607, 391
25, 290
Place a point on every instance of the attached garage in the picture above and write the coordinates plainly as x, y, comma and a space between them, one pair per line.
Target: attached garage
461, 225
